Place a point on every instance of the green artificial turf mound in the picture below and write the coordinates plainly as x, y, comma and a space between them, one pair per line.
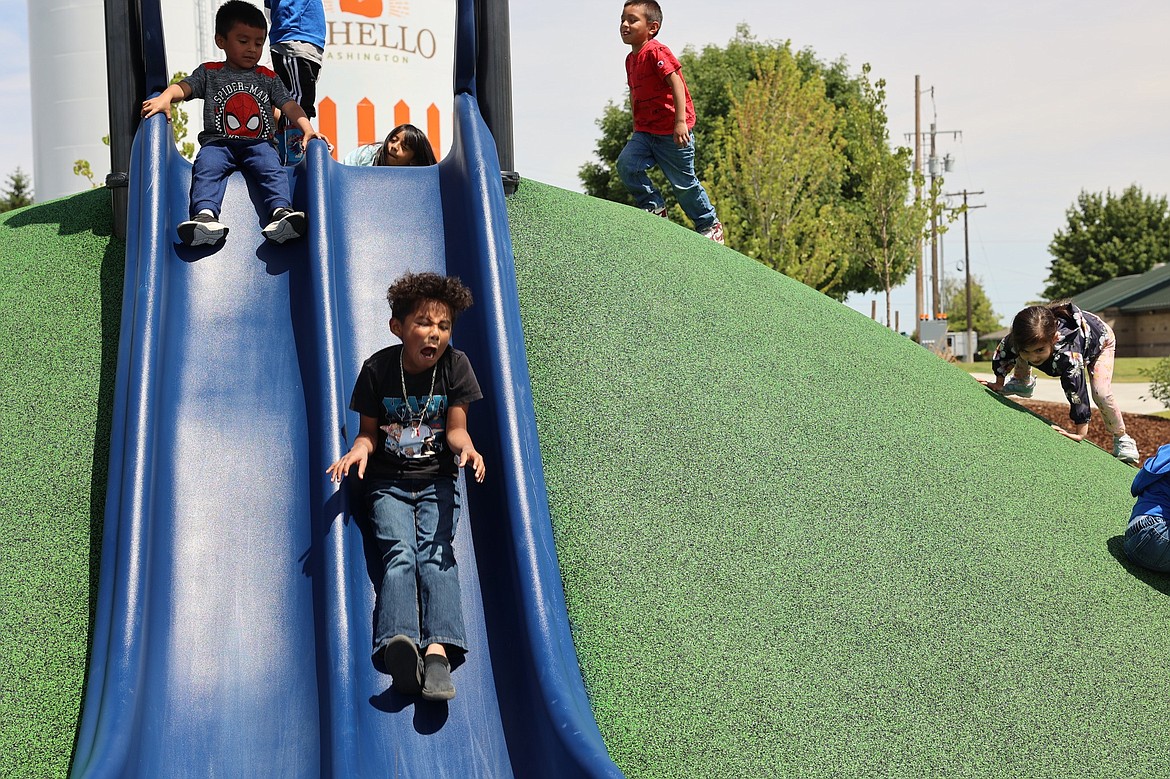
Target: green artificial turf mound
794, 543
60, 295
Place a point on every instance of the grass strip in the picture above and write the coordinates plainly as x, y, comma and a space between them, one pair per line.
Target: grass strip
60, 298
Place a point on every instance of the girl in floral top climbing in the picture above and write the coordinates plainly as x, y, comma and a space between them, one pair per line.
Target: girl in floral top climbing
1062, 340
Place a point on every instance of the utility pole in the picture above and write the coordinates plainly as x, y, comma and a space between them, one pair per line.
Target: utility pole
936, 170
971, 339
919, 292
933, 170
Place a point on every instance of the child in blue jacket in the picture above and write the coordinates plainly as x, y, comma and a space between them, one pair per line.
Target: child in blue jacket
1147, 538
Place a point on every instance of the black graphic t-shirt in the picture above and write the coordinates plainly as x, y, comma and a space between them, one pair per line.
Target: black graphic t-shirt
412, 428
237, 104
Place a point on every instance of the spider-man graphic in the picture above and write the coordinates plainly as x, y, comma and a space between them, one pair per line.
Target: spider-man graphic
241, 116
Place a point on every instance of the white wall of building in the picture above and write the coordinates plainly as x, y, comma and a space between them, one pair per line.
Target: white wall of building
67, 75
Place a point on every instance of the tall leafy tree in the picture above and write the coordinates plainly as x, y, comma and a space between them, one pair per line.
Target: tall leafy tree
600, 178
1107, 236
776, 188
887, 221
716, 76
17, 192
983, 316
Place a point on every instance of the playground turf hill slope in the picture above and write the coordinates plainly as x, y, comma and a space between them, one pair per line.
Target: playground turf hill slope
60, 293
794, 543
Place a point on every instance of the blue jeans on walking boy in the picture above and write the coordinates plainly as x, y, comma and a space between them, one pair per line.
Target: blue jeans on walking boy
642, 152
414, 524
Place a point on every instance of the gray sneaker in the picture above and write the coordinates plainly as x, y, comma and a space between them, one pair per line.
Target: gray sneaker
1125, 449
438, 685
203, 228
286, 224
1014, 386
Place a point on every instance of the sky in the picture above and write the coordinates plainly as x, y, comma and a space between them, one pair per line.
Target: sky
1051, 98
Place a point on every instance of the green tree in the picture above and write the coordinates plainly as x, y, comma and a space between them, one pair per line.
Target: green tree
17, 193
887, 222
716, 77
601, 178
983, 316
179, 119
776, 188
1159, 377
1107, 236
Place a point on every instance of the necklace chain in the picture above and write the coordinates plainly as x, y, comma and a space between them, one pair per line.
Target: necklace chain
415, 422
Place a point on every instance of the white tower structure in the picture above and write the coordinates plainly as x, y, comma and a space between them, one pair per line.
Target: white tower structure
67, 76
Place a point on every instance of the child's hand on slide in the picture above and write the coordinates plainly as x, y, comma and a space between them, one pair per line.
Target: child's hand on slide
1067, 434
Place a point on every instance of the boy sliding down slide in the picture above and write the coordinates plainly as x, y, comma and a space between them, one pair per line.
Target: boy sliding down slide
238, 126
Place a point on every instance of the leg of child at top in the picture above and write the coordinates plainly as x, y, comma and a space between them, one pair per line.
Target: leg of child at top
1101, 387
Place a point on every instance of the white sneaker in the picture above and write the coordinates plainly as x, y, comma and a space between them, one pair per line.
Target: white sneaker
286, 224
714, 232
660, 211
1014, 386
203, 228
1125, 449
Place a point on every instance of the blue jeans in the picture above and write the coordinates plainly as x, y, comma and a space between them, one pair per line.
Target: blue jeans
1147, 542
642, 152
414, 524
260, 164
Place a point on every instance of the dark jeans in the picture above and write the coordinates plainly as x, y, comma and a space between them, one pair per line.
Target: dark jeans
645, 150
258, 161
1147, 542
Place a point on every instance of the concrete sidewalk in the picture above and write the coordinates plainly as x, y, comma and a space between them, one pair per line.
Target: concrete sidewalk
1132, 398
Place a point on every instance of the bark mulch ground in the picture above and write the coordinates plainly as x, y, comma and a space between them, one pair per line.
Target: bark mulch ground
1150, 432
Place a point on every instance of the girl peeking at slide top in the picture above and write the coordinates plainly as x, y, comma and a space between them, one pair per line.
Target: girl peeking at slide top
404, 145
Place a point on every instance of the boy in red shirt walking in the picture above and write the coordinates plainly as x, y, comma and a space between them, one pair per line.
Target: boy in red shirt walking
663, 118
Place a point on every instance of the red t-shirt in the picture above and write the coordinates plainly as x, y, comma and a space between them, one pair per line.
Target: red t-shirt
650, 95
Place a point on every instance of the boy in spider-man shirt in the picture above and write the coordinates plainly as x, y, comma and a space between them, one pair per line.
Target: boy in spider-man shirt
238, 124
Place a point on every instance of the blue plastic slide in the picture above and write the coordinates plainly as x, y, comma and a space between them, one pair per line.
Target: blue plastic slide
234, 615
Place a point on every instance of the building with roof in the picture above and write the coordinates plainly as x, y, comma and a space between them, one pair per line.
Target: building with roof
1137, 307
